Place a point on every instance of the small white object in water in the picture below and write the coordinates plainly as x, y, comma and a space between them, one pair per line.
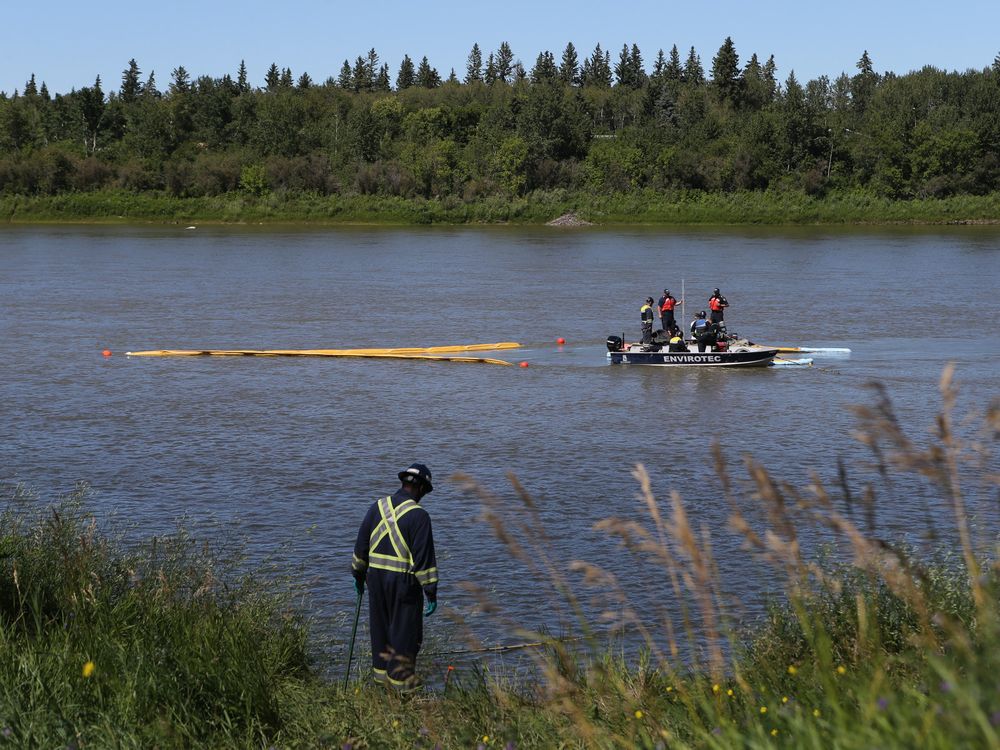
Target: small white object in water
190, 227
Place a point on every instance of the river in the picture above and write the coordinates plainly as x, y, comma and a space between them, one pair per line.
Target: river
286, 454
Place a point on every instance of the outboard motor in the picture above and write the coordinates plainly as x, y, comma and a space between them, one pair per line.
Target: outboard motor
615, 343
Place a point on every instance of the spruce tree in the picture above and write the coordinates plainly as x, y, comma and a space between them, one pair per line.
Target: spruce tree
286, 79
427, 77
726, 73
31, 88
131, 86
241, 78
149, 90
474, 65
407, 75
382, 82
659, 66
623, 70
505, 62
636, 70
452, 78
273, 78
180, 81
674, 70
490, 72
344, 79
569, 68
694, 74
305, 81
360, 75
545, 69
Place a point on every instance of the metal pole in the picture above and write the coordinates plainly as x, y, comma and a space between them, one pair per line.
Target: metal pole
684, 316
354, 633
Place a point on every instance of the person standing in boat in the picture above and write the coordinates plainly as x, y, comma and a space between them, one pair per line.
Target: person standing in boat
666, 306
646, 318
704, 332
394, 555
717, 304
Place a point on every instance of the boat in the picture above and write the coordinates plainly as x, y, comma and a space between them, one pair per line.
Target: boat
733, 354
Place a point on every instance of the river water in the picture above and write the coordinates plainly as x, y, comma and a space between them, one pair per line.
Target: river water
288, 453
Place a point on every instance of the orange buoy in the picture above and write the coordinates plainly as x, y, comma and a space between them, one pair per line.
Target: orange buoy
560, 340
106, 352
524, 364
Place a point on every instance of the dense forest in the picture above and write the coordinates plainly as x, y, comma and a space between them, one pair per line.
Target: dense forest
596, 124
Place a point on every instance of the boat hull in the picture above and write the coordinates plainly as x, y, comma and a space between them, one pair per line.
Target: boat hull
753, 358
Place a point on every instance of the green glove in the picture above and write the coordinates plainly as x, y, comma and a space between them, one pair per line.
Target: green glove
431, 608
359, 587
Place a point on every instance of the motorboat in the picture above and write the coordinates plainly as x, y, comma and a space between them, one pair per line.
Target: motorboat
726, 353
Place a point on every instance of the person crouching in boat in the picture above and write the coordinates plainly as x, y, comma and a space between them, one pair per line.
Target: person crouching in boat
704, 332
676, 343
646, 317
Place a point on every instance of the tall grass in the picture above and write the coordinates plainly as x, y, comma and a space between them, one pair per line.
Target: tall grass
672, 207
877, 644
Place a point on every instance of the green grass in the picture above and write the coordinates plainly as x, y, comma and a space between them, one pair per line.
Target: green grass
641, 207
166, 644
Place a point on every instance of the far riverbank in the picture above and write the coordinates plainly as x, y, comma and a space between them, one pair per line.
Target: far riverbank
646, 207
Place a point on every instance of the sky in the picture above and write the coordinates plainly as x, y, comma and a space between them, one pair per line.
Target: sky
68, 44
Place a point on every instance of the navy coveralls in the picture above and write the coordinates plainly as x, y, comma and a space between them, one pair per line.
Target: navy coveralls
395, 554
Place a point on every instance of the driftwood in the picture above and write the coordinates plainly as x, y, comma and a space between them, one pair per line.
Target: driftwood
569, 220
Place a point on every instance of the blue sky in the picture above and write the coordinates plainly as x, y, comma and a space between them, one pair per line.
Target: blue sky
67, 44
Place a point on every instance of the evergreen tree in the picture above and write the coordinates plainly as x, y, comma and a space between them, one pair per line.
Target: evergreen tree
344, 79
505, 62
149, 90
490, 72
361, 76
407, 75
674, 70
756, 89
996, 64
545, 69
659, 66
131, 85
427, 77
241, 78
31, 88
286, 78
597, 69
726, 73
623, 70
694, 74
382, 82
519, 74
305, 81
43, 92
864, 83
452, 78
180, 81
474, 65
273, 78
569, 68
637, 69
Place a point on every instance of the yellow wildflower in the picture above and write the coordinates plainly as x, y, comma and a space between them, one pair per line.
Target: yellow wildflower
715, 688
841, 669
774, 732
729, 692
486, 739
669, 689
816, 712
763, 709
784, 699
792, 669
638, 714
88, 669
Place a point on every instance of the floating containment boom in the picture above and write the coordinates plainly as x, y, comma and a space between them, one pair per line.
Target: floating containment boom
441, 353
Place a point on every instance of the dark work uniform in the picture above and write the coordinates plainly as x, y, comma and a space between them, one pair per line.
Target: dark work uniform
704, 333
718, 305
667, 304
646, 316
395, 554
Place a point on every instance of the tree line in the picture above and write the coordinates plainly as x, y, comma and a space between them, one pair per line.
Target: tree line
596, 123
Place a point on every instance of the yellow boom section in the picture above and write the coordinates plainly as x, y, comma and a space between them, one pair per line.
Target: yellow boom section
428, 353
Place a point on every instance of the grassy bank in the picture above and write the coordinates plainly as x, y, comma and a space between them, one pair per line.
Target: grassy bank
165, 644
671, 208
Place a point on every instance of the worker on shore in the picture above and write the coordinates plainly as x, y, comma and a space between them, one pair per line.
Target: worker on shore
646, 318
394, 555
666, 306
717, 304
704, 332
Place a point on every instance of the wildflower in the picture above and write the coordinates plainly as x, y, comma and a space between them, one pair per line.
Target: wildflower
395, 723
510, 745
729, 692
6, 732
763, 709
945, 686
347, 746
792, 669
486, 739
638, 713
88, 669
423, 731
669, 689
774, 732
882, 703
841, 669
784, 699
816, 712
715, 688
